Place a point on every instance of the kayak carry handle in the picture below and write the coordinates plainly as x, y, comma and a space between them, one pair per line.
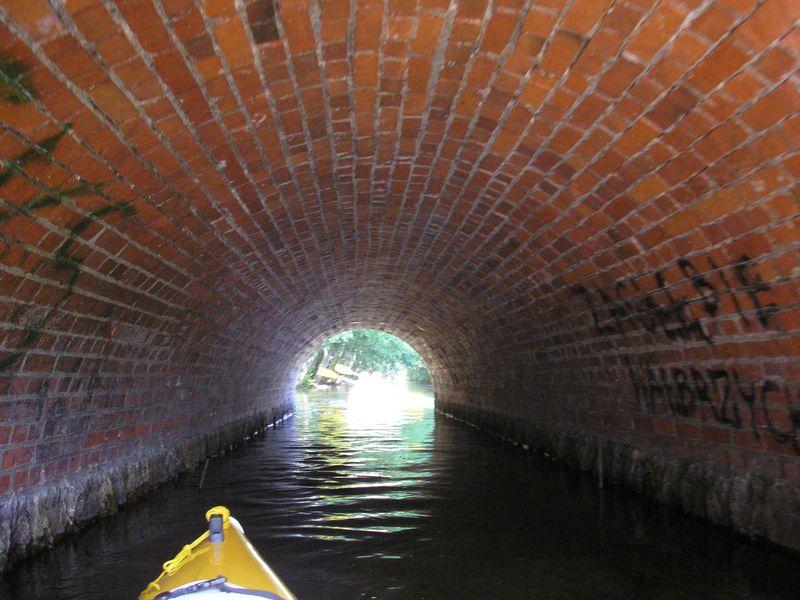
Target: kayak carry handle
171, 566
221, 511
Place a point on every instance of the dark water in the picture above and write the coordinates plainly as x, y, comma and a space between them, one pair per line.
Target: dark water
346, 501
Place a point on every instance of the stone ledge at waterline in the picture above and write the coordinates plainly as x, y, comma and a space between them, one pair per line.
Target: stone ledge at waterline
33, 519
752, 503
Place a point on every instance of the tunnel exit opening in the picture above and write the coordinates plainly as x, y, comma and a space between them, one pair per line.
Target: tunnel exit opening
365, 364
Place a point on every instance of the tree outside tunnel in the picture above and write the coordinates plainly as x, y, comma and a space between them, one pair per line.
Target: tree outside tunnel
341, 358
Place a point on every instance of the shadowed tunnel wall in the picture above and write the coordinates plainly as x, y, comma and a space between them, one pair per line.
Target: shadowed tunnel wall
583, 214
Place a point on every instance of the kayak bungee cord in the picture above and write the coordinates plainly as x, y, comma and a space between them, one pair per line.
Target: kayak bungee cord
219, 584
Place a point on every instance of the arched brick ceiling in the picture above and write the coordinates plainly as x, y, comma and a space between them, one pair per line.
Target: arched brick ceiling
220, 184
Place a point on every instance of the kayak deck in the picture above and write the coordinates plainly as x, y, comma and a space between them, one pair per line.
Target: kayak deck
221, 562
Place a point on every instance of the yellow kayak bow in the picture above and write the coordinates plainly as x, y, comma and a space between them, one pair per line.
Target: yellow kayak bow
221, 563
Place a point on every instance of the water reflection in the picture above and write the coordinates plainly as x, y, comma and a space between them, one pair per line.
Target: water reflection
372, 496
370, 445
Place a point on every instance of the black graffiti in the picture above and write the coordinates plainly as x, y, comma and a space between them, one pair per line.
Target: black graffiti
753, 285
624, 308
721, 395
708, 292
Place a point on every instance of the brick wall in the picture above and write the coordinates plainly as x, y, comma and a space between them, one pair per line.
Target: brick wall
583, 214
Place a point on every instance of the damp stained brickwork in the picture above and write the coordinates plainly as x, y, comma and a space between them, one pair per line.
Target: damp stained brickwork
582, 214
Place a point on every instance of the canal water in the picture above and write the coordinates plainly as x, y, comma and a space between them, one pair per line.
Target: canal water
376, 496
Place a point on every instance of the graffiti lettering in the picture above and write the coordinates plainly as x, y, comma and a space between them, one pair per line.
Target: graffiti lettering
601, 326
721, 395
662, 310
753, 285
702, 286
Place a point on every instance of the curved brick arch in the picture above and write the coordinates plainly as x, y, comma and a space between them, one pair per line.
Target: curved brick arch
583, 214
439, 332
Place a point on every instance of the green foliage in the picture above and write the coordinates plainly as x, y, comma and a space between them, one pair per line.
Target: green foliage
54, 197
369, 350
42, 150
63, 258
14, 85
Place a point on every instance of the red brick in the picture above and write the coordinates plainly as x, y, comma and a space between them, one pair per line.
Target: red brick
15, 457
455, 193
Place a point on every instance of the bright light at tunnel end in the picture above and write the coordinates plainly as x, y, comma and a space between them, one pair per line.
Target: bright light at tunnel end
376, 373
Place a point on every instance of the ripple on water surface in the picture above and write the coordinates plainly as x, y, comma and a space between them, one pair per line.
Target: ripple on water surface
376, 498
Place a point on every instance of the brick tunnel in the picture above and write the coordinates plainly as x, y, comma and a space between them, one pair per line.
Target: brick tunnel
584, 216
